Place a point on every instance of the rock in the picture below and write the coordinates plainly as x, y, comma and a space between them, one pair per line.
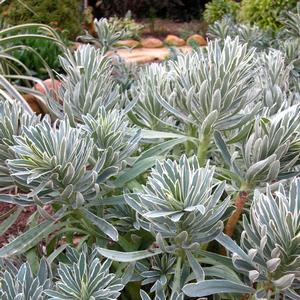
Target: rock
141, 59
50, 84
151, 43
196, 39
33, 103
128, 44
173, 40
142, 55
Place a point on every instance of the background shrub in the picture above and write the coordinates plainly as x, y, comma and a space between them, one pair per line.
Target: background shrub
47, 49
173, 9
265, 13
216, 9
60, 14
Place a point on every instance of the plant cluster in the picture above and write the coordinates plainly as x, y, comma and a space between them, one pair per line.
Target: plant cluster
127, 23
216, 9
19, 53
107, 34
182, 182
265, 14
287, 39
63, 15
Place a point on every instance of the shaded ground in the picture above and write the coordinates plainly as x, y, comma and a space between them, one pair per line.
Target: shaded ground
161, 28
19, 226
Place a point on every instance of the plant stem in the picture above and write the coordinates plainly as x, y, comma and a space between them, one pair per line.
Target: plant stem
240, 202
203, 149
189, 145
177, 276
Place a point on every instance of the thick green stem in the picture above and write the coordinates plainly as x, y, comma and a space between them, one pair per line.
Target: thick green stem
203, 149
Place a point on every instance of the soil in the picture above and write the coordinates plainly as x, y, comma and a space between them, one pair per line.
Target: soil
19, 226
160, 28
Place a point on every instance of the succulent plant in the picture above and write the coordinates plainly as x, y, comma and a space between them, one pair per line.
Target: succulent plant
13, 119
212, 89
128, 24
110, 132
181, 199
269, 149
87, 85
52, 161
253, 36
160, 272
22, 284
107, 34
271, 240
148, 112
85, 277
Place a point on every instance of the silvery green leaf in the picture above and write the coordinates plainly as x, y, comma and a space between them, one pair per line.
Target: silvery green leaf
103, 225
208, 123
253, 275
216, 286
196, 267
259, 167
232, 246
137, 169
273, 264
29, 238
161, 148
128, 256
144, 295
285, 281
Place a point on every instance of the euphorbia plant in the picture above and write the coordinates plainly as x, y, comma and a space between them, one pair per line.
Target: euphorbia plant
269, 252
211, 89
181, 206
268, 154
217, 125
70, 168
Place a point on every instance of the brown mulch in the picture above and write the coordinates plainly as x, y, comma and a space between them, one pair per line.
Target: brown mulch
19, 226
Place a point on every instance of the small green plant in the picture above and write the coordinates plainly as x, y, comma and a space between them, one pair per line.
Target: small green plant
217, 9
265, 13
252, 35
46, 49
52, 13
21, 283
108, 34
84, 276
87, 84
128, 24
